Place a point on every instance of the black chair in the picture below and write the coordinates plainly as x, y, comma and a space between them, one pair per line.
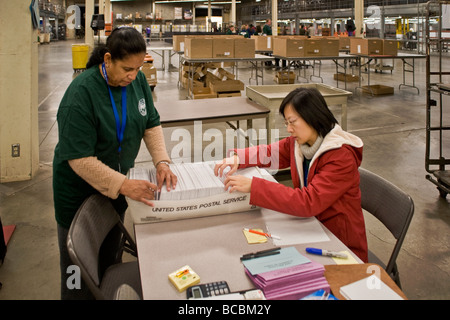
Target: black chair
91, 226
393, 207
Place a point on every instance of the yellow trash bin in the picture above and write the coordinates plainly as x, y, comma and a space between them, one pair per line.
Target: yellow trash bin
80, 55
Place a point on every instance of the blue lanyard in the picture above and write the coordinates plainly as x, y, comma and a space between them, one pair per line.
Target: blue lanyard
120, 128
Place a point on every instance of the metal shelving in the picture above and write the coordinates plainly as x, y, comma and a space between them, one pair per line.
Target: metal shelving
437, 103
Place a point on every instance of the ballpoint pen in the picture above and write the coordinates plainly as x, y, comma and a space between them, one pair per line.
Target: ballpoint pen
262, 253
327, 253
262, 233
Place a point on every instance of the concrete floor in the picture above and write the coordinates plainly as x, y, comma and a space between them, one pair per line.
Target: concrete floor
392, 128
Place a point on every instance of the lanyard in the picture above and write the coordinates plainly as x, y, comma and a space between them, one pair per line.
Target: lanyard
120, 128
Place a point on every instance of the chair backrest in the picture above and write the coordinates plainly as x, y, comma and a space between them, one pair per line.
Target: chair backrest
389, 204
94, 220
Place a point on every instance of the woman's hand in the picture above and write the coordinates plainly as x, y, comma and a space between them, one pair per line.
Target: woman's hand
139, 190
163, 173
238, 183
232, 162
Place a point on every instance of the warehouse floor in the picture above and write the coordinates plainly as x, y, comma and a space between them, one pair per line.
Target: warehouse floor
392, 128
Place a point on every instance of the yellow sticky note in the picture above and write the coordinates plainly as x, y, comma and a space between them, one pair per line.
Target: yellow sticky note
254, 238
349, 260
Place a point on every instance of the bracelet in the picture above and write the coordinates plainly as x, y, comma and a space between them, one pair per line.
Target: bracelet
162, 161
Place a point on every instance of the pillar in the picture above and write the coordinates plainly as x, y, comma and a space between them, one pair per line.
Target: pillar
19, 134
88, 32
359, 18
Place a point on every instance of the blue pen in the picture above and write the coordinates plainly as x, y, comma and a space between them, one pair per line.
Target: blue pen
323, 252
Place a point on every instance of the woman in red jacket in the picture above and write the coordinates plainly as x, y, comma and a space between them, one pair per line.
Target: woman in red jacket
324, 161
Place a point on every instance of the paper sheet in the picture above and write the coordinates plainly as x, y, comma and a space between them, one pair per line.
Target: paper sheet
287, 257
304, 230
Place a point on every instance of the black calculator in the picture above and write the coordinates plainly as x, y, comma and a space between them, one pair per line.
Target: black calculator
207, 290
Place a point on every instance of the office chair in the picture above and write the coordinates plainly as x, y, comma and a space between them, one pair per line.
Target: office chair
125, 292
390, 205
91, 226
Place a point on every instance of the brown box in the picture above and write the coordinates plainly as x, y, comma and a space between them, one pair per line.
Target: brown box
223, 48
346, 77
150, 73
285, 74
226, 86
244, 48
289, 47
313, 47
198, 47
366, 46
378, 89
390, 47
229, 94
344, 43
263, 43
329, 47
178, 43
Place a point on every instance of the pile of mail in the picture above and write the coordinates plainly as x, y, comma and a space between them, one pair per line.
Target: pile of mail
291, 276
195, 180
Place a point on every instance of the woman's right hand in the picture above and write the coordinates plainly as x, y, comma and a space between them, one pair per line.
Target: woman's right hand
139, 190
232, 162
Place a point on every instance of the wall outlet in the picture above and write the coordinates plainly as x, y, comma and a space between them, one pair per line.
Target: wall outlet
15, 150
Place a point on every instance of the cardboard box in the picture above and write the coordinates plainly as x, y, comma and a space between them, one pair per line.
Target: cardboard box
313, 47
289, 47
263, 43
344, 43
198, 47
329, 47
378, 89
366, 46
223, 74
244, 48
226, 86
285, 74
178, 43
346, 77
229, 94
223, 48
150, 73
390, 47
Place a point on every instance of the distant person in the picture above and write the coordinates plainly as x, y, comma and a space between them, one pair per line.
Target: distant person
231, 30
267, 29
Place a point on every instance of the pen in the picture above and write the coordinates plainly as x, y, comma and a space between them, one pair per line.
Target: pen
323, 252
262, 233
258, 255
261, 252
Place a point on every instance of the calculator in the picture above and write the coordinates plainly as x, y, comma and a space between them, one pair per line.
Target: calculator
207, 290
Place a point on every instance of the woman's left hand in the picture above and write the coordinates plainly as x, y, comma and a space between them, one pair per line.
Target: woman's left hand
163, 173
238, 183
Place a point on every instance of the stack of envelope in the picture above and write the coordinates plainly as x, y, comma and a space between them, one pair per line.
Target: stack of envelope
291, 283
195, 180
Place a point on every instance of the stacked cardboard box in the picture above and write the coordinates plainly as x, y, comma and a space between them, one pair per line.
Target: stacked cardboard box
223, 46
210, 80
366, 46
284, 77
150, 73
263, 43
301, 46
390, 47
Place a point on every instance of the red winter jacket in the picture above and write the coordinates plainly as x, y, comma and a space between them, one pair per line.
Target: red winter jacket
332, 194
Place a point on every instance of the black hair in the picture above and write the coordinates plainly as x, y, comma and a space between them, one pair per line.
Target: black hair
312, 107
120, 43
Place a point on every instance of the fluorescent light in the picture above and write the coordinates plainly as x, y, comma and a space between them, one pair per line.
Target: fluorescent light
178, 1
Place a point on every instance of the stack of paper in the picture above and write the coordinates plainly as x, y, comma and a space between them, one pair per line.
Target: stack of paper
195, 180
370, 288
291, 276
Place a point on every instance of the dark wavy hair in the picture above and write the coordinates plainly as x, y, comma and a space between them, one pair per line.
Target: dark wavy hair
312, 107
120, 43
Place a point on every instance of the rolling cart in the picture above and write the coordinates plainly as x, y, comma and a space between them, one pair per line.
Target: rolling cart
437, 104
